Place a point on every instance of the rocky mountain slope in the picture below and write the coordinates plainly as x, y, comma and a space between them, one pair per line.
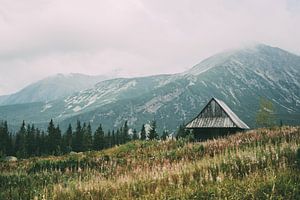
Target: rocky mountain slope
51, 88
239, 77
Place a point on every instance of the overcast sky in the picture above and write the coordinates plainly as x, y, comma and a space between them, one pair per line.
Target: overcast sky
39, 38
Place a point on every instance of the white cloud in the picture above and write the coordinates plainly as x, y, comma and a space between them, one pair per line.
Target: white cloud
136, 37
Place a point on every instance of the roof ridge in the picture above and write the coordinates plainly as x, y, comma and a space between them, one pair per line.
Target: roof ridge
230, 115
234, 118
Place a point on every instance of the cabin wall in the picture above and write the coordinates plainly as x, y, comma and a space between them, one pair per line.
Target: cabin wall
201, 134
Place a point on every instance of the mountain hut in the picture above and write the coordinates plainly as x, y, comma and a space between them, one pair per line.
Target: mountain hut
215, 120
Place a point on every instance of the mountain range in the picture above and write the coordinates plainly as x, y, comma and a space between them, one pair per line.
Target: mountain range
51, 88
238, 77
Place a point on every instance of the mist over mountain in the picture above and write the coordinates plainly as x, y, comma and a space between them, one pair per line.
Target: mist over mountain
51, 88
238, 77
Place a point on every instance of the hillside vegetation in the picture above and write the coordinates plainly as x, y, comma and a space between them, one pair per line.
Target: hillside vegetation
258, 164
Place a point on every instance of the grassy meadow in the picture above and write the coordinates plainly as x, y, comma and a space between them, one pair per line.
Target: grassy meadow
258, 164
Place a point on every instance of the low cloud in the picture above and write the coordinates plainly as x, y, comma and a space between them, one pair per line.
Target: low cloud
134, 37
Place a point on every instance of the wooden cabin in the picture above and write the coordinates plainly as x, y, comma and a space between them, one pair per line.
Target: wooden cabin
215, 120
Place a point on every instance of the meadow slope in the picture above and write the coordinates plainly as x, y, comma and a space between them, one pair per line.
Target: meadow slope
258, 164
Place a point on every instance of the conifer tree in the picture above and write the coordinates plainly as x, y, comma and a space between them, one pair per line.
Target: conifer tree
135, 135
88, 138
113, 138
38, 140
78, 138
30, 140
58, 140
152, 133
107, 140
21, 141
51, 137
181, 132
143, 133
124, 132
43, 145
99, 138
118, 137
54, 139
165, 135
11, 146
4, 138
68, 136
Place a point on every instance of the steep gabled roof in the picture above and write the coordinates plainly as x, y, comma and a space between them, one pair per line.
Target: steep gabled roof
216, 114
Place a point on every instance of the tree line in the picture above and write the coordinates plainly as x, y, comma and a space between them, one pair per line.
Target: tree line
30, 141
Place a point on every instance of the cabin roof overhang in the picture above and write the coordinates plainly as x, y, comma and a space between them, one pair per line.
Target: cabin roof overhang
228, 120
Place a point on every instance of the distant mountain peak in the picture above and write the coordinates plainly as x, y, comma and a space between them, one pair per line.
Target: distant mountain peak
239, 77
53, 87
239, 55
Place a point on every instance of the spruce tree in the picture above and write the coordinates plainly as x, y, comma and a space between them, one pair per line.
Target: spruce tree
118, 137
11, 145
21, 141
83, 136
68, 139
30, 140
143, 133
113, 139
88, 138
78, 138
165, 135
135, 135
108, 140
181, 132
51, 137
43, 145
38, 141
4, 138
58, 140
125, 134
153, 134
99, 138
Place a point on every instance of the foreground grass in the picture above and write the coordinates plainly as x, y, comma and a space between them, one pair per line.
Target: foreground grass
259, 164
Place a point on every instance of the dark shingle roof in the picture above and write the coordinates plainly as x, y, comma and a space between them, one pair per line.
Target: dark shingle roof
225, 118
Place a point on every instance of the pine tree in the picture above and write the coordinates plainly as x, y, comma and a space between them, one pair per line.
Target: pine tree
11, 145
78, 138
143, 133
51, 137
165, 135
135, 135
21, 141
107, 140
181, 132
38, 140
113, 139
43, 145
99, 138
4, 138
54, 139
68, 137
83, 136
153, 134
30, 140
124, 132
88, 138
58, 140
118, 137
